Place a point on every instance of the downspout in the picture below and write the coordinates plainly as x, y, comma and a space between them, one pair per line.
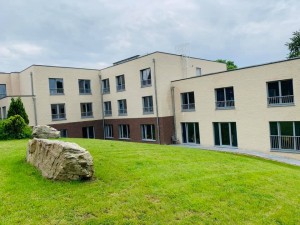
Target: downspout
101, 97
156, 102
33, 99
174, 114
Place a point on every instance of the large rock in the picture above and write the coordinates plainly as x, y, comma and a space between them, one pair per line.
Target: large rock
60, 160
44, 131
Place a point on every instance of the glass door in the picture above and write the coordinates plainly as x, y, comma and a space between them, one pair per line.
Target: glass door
190, 133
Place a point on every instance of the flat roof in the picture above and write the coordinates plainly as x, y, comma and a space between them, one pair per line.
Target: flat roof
66, 67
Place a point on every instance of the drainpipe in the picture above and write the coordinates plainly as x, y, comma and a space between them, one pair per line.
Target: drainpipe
34, 100
156, 102
174, 115
101, 97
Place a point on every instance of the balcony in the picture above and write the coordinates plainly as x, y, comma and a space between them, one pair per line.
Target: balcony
122, 112
229, 104
107, 112
148, 110
285, 143
60, 116
121, 87
281, 100
146, 83
84, 91
86, 114
56, 91
188, 107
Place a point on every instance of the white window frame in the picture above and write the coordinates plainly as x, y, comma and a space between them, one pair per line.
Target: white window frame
83, 90
108, 131
84, 109
59, 116
124, 131
144, 132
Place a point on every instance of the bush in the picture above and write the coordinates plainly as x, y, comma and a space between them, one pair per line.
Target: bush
14, 128
16, 107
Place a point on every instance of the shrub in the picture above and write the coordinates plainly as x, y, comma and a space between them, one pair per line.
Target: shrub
16, 107
14, 128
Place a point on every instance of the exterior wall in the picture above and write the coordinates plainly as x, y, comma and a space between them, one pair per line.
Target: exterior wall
251, 114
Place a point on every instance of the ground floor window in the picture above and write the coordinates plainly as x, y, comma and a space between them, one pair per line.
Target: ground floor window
190, 133
225, 134
148, 132
64, 133
124, 132
88, 132
108, 131
285, 136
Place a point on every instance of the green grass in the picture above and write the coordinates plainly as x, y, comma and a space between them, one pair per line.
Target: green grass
150, 184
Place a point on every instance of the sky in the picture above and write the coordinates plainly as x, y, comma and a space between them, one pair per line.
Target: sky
96, 33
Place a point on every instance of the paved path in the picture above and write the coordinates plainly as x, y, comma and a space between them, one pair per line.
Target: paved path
270, 156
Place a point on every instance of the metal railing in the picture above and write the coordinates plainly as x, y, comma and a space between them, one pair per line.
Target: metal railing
147, 110
188, 107
285, 142
86, 114
84, 91
283, 100
107, 112
59, 116
106, 90
225, 104
120, 87
56, 91
122, 111
145, 83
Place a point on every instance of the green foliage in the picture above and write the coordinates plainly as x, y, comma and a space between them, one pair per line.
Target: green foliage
230, 64
14, 128
294, 45
16, 107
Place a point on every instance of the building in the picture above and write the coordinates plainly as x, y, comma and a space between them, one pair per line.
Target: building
164, 98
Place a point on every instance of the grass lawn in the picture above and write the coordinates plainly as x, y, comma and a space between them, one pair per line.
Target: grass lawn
150, 184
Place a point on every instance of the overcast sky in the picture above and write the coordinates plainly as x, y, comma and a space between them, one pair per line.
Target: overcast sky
96, 33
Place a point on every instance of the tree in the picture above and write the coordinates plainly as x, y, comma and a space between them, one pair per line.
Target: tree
230, 64
294, 45
16, 107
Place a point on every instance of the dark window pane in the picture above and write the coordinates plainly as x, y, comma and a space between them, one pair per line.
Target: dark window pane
197, 133
287, 87
225, 134
184, 139
273, 89
216, 132
191, 98
229, 93
297, 128
234, 134
220, 94
273, 128
286, 128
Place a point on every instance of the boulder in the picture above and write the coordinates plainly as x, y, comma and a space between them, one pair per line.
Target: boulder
44, 131
60, 160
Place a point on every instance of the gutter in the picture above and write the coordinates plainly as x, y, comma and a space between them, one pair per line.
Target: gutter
156, 103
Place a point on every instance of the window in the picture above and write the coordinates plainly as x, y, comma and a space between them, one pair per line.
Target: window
190, 133
86, 109
225, 134
56, 86
105, 86
198, 71
58, 111
148, 132
84, 86
2, 91
3, 114
145, 77
120, 80
124, 132
108, 131
88, 132
122, 107
224, 98
64, 133
280, 92
285, 136
187, 101
107, 108
147, 104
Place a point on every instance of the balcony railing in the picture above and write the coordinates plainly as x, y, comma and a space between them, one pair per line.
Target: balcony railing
225, 104
121, 87
106, 90
107, 113
148, 110
84, 91
285, 143
188, 107
145, 83
56, 91
60, 116
281, 100
86, 114
122, 112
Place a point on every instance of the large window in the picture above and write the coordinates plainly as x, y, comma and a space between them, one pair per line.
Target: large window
86, 109
122, 107
145, 77
190, 133
63, 133
148, 132
58, 111
285, 136
105, 86
88, 132
108, 131
84, 86
2, 91
224, 98
56, 86
225, 134
120, 81
124, 132
107, 108
187, 101
147, 104
280, 92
